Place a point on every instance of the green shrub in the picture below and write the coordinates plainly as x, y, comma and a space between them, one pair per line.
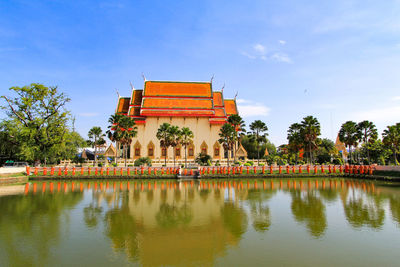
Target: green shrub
114, 164
202, 159
381, 160
261, 164
250, 162
238, 163
143, 161
217, 163
100, 164
281, 161
337, 161
247, 164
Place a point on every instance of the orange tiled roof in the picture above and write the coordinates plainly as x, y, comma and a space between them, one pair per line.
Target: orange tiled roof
123, 105
183, 99
230, 107
188, 89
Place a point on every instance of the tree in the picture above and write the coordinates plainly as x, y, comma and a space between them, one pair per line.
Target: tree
368, 133
349, 134
164, 137
95, 140
310, 130
391, 138
238, 125
326, 150
39, 114
175, 138
259, 130
227, 137
186, 139
128, 131
295, 139
114, 132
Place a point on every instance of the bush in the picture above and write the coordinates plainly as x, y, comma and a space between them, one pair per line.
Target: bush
261, 164
381, 160
250, 162
238, 163
114, 164
337, 161
209, 163
281, 161
202, 159
100, 164
247, 164
143, 161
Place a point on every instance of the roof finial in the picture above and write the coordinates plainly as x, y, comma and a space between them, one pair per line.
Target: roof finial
222, 89
133, 88
116, 90
144, 77
236, 95
212, 78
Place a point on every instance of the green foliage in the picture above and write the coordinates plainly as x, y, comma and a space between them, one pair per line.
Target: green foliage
259, 136
247, 164
391, 139
203, 159
227, 138
143, 161
217, 163
250, 162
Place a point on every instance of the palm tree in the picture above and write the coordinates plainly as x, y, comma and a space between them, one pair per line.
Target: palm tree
391, 138
295, 140
238, 125
368, 134
310, 130
349, 134
175, 137
186, 137
96, 134
227, 137
259, 129
129, 131
164, 137
114, 132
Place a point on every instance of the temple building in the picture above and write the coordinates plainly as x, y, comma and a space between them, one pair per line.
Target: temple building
185, 104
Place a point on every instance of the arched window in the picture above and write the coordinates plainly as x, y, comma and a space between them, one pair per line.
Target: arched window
178, 151
136, 149
150, 150
191, 151
203, 147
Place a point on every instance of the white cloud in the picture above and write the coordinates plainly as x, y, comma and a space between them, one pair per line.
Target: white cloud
282, 42
386, 114
88, 114
248, 108
396, 98
248, 55
281, 57
259, 48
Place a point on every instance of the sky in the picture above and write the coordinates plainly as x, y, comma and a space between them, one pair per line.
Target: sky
335, 60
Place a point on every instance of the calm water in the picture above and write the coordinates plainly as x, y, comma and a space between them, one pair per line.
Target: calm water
304, 222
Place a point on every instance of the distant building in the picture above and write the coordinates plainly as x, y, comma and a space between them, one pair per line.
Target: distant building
185, 104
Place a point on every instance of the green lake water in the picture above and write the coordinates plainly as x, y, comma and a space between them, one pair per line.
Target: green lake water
295, 222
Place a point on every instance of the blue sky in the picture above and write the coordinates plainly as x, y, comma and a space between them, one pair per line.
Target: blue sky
336, 60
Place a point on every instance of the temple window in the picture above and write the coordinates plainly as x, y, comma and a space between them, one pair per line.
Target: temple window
216, 152
150, 152
204, 150
178, 152
137, 152
191, 152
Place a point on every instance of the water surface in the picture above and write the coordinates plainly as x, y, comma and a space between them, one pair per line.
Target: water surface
302, 222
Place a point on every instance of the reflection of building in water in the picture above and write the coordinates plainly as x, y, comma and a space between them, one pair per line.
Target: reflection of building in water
179, 226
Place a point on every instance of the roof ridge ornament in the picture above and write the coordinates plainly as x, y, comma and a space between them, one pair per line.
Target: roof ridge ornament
119, 96
222, 89
144, 77
212, 78
235, 95
133, 88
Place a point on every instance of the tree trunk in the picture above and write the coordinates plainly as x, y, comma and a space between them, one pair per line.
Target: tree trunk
116, 153
258, 154
394, 157
309, 151
95, 154
165, 157
228, 156
185, 157
173, 154
125, 153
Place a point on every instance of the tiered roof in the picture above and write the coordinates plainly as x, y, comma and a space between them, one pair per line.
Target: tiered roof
177, 99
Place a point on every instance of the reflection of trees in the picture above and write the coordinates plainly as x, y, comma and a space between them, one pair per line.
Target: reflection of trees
329, 194
123, 230
260, 212
310, 210
395, 208
170, 216
234, 218
204, 194
91, 215
35, 219
359, 213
